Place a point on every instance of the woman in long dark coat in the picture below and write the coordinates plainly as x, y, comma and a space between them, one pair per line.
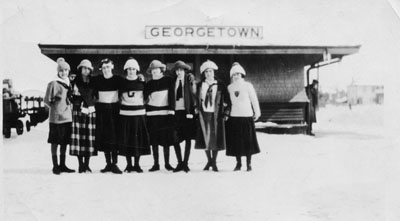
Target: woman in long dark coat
185, 102
212, 100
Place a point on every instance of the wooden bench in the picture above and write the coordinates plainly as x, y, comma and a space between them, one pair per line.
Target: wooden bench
288, 117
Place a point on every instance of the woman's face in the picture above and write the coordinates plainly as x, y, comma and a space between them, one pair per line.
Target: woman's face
85, 71
236, 76
209, 74
156, 72
106, 68
131, 73
63, 74
180, 73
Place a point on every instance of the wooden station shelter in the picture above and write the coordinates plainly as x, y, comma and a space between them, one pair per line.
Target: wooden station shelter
277, 70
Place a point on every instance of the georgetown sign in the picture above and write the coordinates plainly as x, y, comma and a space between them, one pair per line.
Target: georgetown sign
170, 31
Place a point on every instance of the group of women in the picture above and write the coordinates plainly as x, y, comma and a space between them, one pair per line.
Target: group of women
130, 117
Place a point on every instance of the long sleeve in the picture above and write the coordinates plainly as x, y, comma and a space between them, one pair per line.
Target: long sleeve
254, 100
171, 94
226, 101
51, 95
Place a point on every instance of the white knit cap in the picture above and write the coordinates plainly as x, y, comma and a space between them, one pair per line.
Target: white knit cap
208, 64
62, 65
131, 63
237, 68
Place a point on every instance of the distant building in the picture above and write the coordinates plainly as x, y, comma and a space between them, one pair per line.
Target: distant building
365, 94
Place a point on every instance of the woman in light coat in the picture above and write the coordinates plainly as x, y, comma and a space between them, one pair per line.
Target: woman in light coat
212, 100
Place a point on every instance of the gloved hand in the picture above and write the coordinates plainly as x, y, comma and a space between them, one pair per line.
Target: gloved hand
91, 109
191, 78
141, 77
84, 110
189, 116
171, 112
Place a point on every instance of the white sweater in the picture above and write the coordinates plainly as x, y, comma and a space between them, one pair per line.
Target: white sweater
244, 99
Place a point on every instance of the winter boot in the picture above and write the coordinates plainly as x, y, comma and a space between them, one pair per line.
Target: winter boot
63, 167
180, 166
166, 159
248, 162
81, 168
238, 164
129, 167
186, 167
156, 165
106, 169
137, 166
115, 169
86, 164
214, 161
209, 160
56, 169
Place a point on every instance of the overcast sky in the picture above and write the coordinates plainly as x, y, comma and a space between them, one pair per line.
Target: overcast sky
371, 23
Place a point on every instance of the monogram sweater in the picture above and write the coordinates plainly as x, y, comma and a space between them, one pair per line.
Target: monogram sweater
131, 94
244, 99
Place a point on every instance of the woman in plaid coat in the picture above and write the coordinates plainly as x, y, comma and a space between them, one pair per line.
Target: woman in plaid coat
83, 117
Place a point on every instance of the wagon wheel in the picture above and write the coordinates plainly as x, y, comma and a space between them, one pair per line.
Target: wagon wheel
20, 127
28, 125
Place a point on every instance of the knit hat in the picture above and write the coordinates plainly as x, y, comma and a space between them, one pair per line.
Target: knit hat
237, 68
156, 64
60, 59
85, 63
208, 64
180, 64
62, 65
131, 63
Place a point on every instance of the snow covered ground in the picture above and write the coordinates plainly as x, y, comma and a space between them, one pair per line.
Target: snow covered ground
348, 171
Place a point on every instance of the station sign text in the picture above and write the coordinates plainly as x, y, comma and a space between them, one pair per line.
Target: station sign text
165, 31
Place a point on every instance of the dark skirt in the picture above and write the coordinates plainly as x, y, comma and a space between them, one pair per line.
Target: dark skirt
133, 138
83, 133
106, 127
185, 127
241, 138
161, 130
60, 133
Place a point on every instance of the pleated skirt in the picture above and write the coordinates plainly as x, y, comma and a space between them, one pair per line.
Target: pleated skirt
241, 138
106, 127
133, 136
60, 133
83, 134
162, 130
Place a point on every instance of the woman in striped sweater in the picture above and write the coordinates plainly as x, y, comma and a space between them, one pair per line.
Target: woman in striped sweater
107, 110
133, 136
159, 94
